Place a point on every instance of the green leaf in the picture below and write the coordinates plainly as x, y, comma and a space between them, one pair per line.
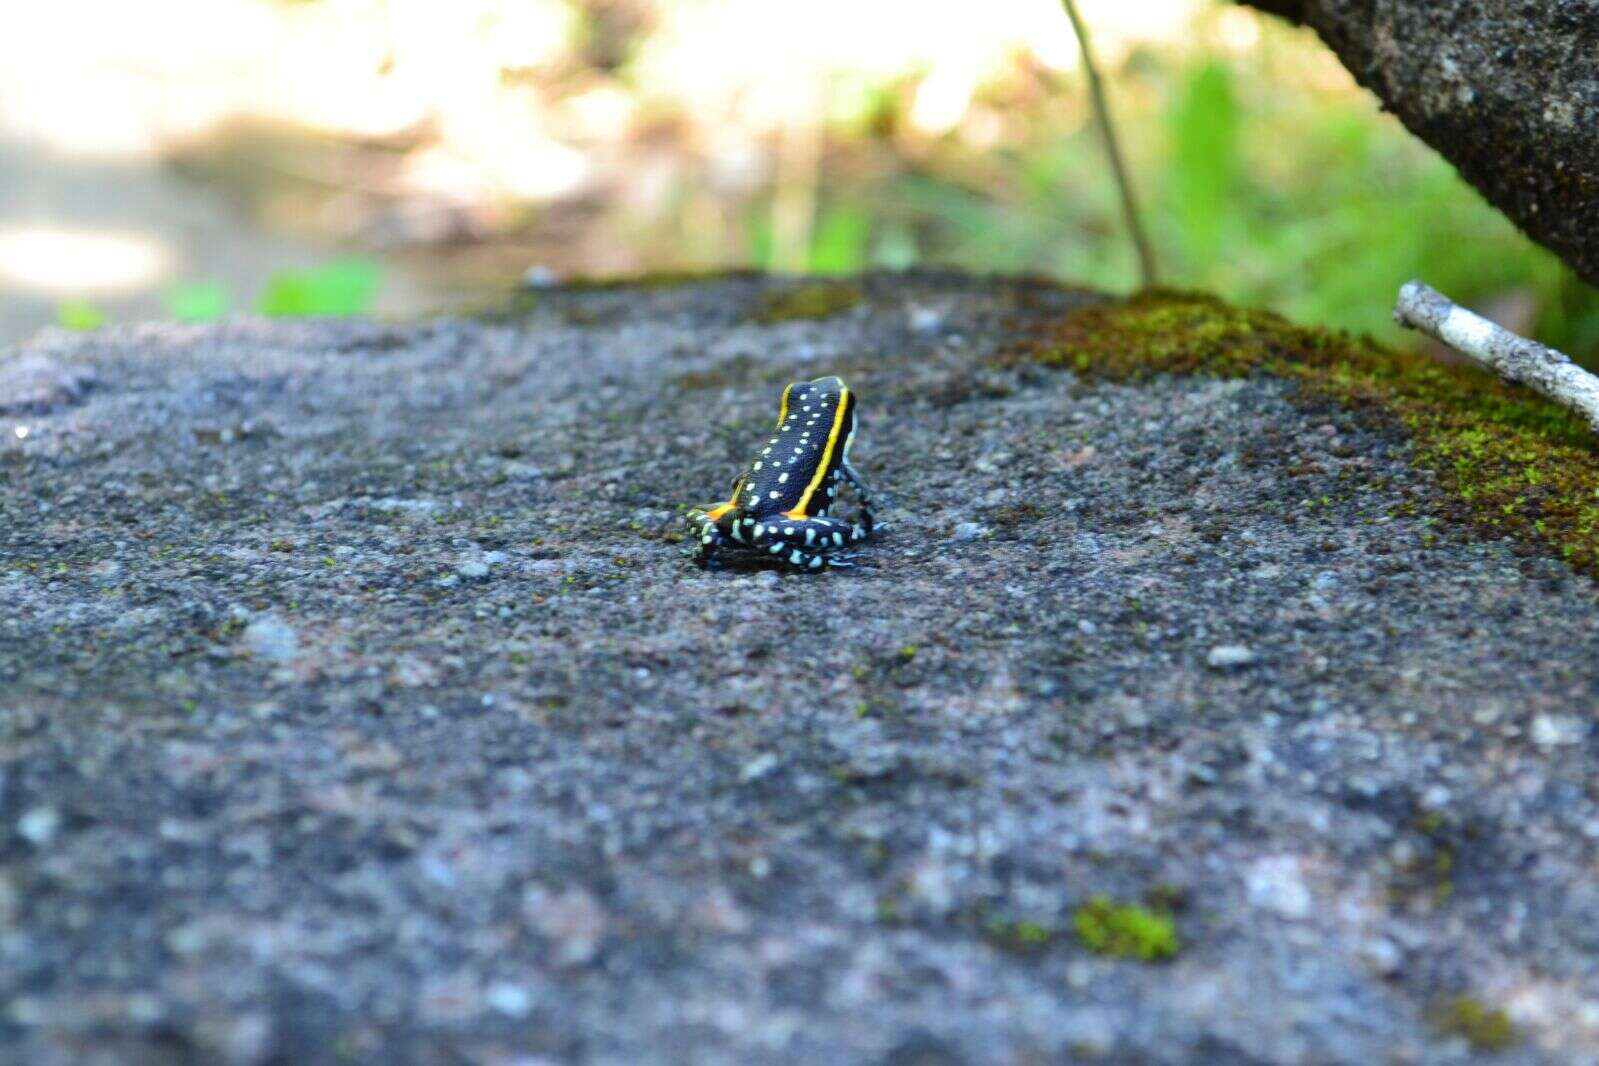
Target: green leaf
79, 315
196, 301
762, 241
839, 244
1204, 161
336, 290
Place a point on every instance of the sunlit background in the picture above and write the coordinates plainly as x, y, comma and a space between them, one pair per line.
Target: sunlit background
194, 158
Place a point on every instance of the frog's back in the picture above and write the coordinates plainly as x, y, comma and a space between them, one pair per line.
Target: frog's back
795, 471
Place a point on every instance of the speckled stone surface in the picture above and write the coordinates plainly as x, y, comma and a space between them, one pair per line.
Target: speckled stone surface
354, 708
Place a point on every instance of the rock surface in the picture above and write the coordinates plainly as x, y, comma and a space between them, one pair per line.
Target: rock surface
354, 707
1507, 91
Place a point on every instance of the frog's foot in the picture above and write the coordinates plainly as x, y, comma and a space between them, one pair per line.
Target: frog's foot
865, 521
704, 527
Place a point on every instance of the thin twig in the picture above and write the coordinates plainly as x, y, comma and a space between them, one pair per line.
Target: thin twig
1096, 89
1511, 357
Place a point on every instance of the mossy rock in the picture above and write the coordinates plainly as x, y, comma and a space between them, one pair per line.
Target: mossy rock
808, 300
1507, 461
660, 279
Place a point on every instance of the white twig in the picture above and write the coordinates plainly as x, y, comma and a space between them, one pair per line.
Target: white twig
1511, 357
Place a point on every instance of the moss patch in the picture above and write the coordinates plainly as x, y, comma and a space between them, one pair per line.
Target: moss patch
813, 299
734, 371
661, 279
1484, 1028
1507, 461
1020, 937
514, 305
1125, 931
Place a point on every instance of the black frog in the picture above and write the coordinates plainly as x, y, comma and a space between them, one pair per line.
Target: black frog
780, 503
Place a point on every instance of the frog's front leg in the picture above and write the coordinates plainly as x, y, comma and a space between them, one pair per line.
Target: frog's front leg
807, 543
706, 525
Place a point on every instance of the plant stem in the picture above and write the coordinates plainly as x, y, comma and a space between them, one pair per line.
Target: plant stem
1096, 88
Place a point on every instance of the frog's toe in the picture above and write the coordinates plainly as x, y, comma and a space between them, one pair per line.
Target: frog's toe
710, 541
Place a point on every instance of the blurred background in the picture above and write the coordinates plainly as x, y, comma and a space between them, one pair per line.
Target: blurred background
186, 159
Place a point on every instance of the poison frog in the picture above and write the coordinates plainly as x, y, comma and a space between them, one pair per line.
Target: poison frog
780, 502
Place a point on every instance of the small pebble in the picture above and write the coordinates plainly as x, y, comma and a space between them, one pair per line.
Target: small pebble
1230, 657
271, 638
1556, 730
1382, 955
539, 276
510, 1000
40, 825
573, 920
926, 319
1275, 884
757, 768
967, 531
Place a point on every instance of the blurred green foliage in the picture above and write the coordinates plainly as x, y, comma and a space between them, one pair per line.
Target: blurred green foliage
79, 315
840, 240
1265, 176
196, 301
337, 289
1257, 183
1203, 170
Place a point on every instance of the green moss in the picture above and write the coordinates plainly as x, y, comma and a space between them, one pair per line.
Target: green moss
814, 299
504, 308
1429, 823
517, 304
1484, 1028
1507, 461
734, 371
1010, 516
661, 279
1017, 936
1125, 931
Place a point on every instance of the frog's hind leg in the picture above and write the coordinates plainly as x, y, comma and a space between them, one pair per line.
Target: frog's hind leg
807, 543
864, 517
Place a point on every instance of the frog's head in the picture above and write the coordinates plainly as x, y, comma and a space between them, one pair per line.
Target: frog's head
824, 408
824, 393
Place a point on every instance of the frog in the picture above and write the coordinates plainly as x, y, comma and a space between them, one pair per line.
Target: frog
780, 503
